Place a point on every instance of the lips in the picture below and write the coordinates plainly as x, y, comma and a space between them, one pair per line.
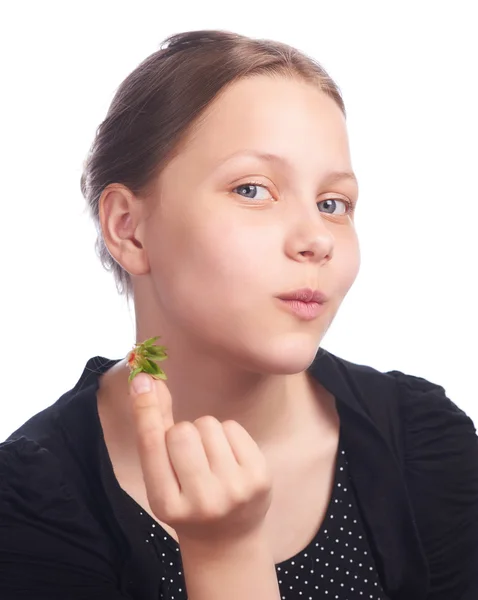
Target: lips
305, 295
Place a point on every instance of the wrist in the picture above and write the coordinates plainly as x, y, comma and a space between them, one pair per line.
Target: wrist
220, 548
236, 569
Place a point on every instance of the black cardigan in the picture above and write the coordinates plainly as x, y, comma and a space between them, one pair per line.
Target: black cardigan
413, 460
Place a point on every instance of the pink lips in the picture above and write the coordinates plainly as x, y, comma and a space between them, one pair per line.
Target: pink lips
305, 303
305, 295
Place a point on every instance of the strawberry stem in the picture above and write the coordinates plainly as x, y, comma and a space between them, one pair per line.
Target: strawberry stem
143, 358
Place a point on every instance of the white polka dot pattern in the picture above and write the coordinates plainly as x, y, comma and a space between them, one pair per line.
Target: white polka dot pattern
336, 565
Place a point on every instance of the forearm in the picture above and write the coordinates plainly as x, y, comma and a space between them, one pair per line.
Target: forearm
242, 570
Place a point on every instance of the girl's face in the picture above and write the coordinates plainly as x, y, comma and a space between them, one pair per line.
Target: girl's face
230, 230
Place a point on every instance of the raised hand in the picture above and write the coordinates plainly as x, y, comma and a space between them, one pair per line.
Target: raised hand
208, 480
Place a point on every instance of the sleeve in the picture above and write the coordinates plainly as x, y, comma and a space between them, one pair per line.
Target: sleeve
441, 470
49, 547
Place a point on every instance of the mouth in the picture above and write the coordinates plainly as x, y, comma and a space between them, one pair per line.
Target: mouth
306, 304
305, 295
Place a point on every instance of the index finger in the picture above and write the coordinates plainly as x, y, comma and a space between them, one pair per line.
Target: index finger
150, 428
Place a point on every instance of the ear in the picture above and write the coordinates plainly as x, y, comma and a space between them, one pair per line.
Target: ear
121, 217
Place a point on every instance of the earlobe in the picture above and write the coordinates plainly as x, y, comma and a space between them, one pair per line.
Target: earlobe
119, 216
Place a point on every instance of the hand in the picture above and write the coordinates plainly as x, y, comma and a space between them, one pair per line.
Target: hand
208, 480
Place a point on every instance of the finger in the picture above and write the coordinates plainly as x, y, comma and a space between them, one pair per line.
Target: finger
189, 460
165, 402
221, 458
150, 430
243, 446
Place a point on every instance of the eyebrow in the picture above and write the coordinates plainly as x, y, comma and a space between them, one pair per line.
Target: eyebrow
330, 177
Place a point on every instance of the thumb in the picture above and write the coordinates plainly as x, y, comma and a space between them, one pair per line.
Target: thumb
158, 393
141, 384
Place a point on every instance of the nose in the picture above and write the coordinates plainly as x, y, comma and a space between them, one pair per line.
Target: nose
311, 240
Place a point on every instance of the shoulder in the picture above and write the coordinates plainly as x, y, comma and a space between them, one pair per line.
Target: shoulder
50, 540
436, 444
25, 463
425, 412
438, 447
34, 492
33, 482
440, 465
436, 430
50, 464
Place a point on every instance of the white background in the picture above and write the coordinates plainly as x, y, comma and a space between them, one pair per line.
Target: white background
408, 73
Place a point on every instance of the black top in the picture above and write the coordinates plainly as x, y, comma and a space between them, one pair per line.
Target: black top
337, 562
68, 530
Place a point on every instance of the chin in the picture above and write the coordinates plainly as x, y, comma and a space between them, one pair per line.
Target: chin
286, 356
290, 365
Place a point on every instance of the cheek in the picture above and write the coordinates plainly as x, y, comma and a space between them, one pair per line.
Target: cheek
347, 259
210, 283
226, 260
204, 263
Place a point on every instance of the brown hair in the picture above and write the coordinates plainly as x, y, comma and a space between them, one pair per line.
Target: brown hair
159, 102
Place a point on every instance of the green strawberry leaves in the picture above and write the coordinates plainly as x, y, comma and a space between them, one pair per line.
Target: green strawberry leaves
144, 358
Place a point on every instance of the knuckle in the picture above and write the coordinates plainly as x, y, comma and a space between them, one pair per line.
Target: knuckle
262, 473
256, 486
148, 442
260, 476
239, 493
262, 481
180, 432
206, 421
211, 506
247, 486
232, 425
213, 511
165, 508
143, 402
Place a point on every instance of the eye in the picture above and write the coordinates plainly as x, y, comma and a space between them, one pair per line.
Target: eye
249, 191
349, 205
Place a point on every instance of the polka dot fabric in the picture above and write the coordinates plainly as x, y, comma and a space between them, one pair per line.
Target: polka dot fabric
335, 565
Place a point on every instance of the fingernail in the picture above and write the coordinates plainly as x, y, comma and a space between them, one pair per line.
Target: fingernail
141, 383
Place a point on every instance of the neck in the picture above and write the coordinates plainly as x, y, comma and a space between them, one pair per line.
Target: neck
277, 410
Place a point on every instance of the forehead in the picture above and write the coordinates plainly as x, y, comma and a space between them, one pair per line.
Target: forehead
272, 114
